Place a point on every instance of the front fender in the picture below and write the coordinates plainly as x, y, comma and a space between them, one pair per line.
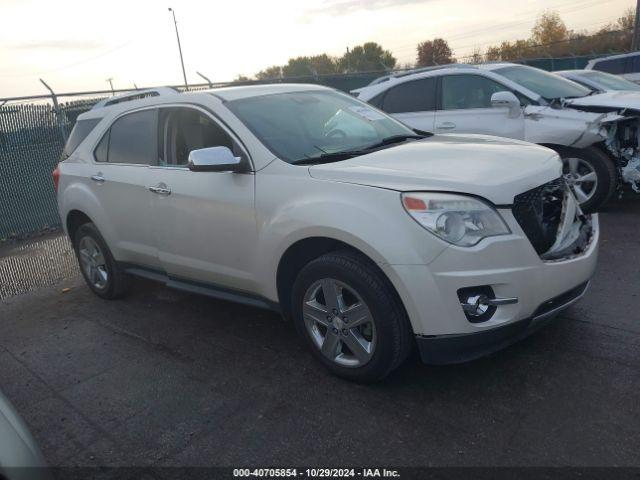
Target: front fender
563, 126
368, 219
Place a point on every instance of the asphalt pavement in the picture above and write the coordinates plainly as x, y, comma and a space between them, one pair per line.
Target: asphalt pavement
165, 378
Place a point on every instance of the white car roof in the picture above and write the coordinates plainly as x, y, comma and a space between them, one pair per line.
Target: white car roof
612, 57
497, 65
246, 91
567, 72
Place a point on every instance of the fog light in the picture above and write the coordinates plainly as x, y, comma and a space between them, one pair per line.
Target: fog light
480, 303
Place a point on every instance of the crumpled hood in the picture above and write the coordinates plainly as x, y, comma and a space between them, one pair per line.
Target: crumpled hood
493, 168
609, 99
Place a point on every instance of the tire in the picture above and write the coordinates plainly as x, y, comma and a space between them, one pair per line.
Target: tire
105, 279
360, 284
576, 162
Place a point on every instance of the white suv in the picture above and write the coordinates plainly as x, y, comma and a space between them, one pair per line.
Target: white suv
370, 236
596, 135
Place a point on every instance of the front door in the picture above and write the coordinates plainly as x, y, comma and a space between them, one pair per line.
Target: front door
465, 107
204, 221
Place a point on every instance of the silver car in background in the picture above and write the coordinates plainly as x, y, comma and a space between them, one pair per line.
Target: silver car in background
599, 82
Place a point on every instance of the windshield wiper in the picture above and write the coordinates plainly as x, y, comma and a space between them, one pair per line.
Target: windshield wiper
394, 139
329, 157
345, 154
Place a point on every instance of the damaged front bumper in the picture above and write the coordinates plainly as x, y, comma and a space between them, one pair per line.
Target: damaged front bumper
623, 142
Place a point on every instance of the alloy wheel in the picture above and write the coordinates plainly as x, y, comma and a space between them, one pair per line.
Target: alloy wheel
93, 262
339, 323
581, 177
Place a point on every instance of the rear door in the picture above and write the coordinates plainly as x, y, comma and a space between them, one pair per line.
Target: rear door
119, 178
465, 107
413, 103
205, 222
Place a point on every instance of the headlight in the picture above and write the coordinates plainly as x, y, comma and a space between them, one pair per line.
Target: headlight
457, 219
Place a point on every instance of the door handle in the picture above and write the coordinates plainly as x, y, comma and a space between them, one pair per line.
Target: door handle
446, 126
160, 190
97, 178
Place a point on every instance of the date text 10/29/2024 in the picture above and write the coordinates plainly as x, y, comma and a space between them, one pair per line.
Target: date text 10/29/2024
316, 472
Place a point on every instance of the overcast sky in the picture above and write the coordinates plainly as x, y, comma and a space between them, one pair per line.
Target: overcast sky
78, 44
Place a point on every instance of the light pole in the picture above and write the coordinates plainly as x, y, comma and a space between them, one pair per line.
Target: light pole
184, 74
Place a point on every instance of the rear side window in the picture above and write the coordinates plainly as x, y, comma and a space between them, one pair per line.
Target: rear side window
414, 96
460, 92
80, 130
131, 139
101, 152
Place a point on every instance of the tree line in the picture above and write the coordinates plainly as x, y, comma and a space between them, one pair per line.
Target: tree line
549, 37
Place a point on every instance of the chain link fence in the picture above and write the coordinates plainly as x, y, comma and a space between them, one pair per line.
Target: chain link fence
31, 142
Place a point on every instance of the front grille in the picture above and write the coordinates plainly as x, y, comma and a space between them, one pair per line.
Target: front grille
539, 211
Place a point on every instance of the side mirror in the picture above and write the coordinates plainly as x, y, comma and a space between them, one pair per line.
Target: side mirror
213, 159
506, 100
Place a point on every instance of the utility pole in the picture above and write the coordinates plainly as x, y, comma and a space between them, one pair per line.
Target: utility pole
635, 43
110, 80
349, 61
184, 74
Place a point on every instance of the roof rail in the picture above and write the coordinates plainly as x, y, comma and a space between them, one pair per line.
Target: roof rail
135, 95
435, 67
420, 70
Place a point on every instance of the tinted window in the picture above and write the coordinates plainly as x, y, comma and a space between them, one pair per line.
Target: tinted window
377, 100
468, 91
134, 139
101, 153
80, 130
545, 84
615, 66
414, 96
187, 129
307, 124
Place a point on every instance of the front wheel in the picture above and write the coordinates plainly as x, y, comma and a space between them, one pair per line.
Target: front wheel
350, 317
591, 174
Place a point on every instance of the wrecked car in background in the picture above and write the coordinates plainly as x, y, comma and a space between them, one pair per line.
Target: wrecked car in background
599, 82
595, 135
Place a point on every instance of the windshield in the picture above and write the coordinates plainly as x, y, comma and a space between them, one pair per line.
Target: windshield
306, 125
610, 82
545, 84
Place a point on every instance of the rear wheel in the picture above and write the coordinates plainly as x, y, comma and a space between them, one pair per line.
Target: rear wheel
350, 317
591, 174
97, 265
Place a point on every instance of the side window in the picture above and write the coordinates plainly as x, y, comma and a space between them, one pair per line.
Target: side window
461, 92
187, 129
414, 96
80, 130
101, 153
616, 66
377, 100
132, 139
524, 100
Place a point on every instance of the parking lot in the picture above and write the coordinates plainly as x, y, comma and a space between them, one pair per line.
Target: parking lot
168, 378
